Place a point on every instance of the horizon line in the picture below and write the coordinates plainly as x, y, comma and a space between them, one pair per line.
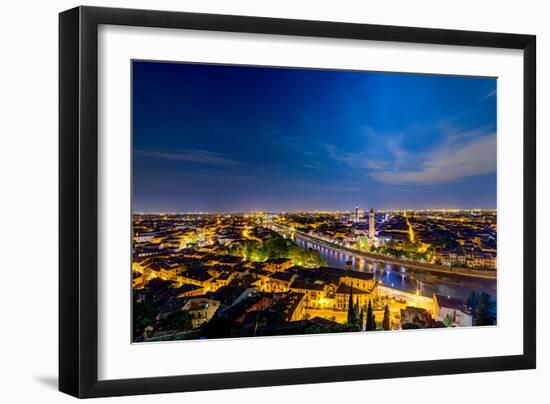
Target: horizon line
313, 211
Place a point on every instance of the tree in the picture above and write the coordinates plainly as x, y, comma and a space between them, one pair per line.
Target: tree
386, 321
483, 312
177, 321
314, 329
350, 307
473, 300
449, 320
144, 314
356, 309
361, 319
217, 327
276, 247
371, 322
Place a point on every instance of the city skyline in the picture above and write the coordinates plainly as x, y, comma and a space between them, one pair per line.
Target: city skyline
215, 138
226, 276
313, 211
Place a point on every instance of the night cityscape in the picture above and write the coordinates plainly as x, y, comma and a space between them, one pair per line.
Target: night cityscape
275, 201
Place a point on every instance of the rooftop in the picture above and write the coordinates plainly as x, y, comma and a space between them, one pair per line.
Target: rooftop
345, 289
302, 284
452, 303
359, 275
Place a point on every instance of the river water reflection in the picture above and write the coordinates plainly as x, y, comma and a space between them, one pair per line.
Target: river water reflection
403, 277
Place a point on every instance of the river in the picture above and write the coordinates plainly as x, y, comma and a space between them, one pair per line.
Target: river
402, 277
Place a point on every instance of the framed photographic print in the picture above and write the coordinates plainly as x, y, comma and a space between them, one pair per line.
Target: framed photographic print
251, 201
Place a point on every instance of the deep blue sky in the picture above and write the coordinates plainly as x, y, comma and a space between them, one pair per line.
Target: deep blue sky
234, 138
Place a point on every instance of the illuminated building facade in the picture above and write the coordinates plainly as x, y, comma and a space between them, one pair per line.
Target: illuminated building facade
372, 229
201, 310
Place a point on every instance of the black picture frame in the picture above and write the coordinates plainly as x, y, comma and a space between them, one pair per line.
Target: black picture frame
78, 201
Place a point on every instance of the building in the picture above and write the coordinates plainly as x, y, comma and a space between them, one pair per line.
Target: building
144, 238
277, 282
172, 306
490, 261
451, 311
356, 219
138, 280
223, 279
291, 307
198, 277
480, 260
240, 309
359, 296
417, 317
372, 225
277, 264
188, 290
229, 296
157, 268
314, 292
357, 279
201, 310
361, 229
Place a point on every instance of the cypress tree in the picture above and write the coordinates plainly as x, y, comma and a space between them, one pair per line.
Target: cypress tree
483, 315
370, 318
361, 319
473, 301
386, 322
350, 306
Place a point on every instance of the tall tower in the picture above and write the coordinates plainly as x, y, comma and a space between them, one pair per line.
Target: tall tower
357, 214
372, 229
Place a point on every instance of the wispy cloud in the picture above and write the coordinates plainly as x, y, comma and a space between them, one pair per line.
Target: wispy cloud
312, 165
291, 145
287, 142
271, 129
396, 157
352, 159
461, 155
447, 163
490, 94
192, 156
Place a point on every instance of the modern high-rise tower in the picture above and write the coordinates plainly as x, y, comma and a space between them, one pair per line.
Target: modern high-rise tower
372, 225
356, 214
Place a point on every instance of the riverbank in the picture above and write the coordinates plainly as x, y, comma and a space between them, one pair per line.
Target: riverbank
397, 261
